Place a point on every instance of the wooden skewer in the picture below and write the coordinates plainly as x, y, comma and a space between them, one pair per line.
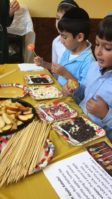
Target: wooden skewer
22, 169
9, 156
35, 54
13, 157
9, 153
40, 141
31, 148
30, 155
27, 146
23, 145
11, 145
45, 136
8, 73
28, 151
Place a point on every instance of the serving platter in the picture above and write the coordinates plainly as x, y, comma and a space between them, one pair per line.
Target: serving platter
33, 151
15, 114
12, 91
44, 92
79, 130
38, 79
46, 155
55, 111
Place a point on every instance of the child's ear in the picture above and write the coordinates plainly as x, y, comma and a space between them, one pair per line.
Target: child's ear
80, 37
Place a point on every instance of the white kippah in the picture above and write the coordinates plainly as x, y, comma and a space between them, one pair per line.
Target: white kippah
65, 3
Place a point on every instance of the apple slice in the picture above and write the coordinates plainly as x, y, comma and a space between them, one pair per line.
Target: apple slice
22, 108
6, 118
12, 108
27, 112
72, 84
25, 117
2, 122
9, 111
19, 122
14, 126
7, 127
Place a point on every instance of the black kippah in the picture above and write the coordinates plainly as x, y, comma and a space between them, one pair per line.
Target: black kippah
76, 13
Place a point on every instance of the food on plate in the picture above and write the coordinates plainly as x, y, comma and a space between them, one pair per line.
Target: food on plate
12, 91
7, 119
55, 111
79, 129
38, 79
2, 122
6, 127
44, 92
72, 84
31, 47
13, 114
25, 117
41, 80
29, 111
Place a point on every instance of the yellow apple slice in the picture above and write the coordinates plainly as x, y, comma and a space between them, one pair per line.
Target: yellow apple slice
72, 84
25, 117
2, 122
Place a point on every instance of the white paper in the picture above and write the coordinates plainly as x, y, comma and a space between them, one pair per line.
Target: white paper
79, 177
30, 67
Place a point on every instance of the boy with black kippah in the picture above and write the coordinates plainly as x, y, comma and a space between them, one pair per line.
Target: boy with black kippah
74, 28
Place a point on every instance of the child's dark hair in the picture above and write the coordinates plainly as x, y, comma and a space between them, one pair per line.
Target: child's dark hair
75, 21
66, 5
104, 30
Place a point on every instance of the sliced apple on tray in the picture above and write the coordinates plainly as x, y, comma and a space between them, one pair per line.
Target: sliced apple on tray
13, 115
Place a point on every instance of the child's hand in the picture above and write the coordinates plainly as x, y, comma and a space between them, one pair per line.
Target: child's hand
67, 91
38, 61
97, 107
57, 69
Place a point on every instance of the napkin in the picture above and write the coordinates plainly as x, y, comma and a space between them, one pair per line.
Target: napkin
30, 67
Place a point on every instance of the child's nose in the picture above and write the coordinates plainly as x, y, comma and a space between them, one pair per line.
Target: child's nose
99, 50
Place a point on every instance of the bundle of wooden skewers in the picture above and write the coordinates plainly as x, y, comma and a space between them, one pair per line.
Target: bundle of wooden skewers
23, 152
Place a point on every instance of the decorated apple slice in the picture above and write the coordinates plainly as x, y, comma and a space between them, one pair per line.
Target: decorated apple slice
72, 84
31, 48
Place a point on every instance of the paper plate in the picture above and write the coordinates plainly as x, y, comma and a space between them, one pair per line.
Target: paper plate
55, 111
15, 118
38, 79
45, 158
12, 91
44, 92
79, 130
